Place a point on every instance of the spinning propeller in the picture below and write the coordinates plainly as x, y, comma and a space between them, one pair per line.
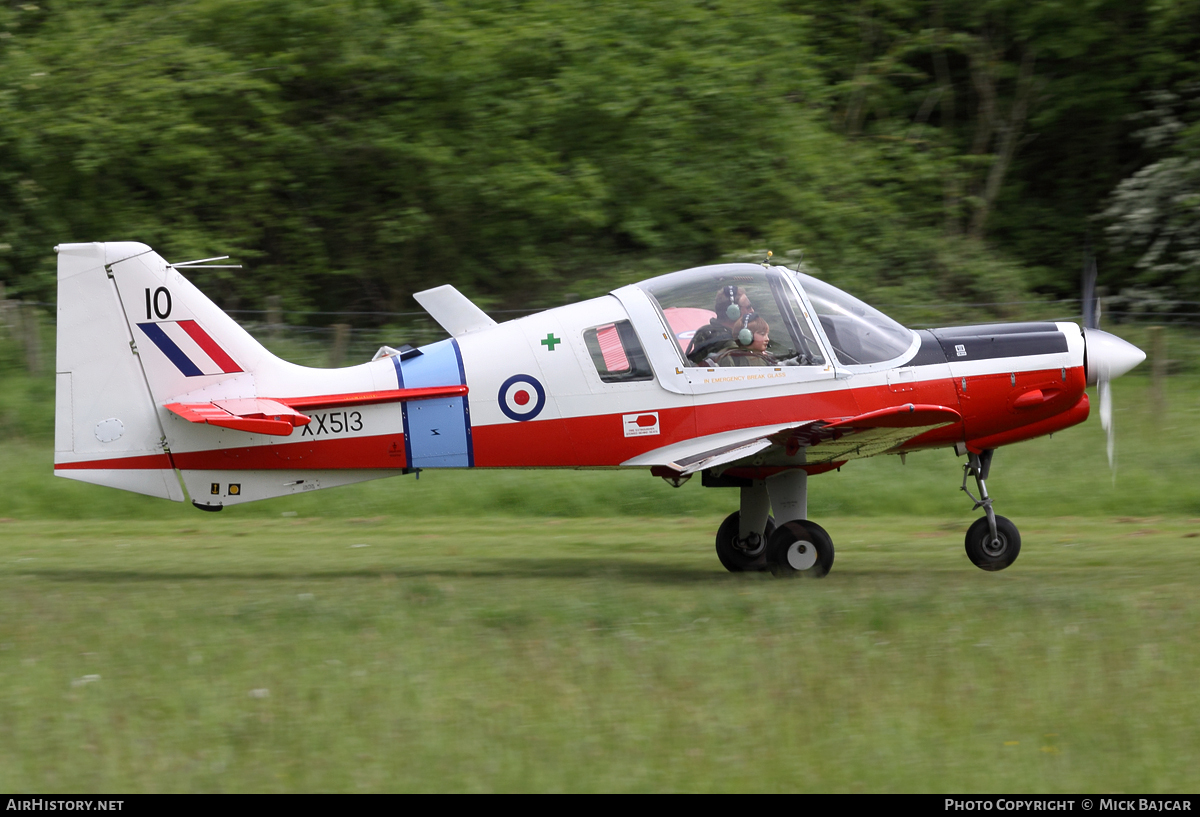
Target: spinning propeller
1105, 356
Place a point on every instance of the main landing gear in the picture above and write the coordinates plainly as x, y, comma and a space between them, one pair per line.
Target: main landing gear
993, 542
788, 545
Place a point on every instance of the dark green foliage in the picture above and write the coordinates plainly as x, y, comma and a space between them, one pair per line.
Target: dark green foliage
1156, 212
1028, 110
350, 153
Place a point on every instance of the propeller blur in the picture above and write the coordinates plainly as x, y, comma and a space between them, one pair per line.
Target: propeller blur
1107, 356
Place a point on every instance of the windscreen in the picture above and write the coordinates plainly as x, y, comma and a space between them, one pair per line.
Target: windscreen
859, 334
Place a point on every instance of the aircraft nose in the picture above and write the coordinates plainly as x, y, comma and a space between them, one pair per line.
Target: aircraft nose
1108, 356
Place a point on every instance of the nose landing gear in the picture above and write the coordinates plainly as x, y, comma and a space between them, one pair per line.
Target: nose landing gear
993, 542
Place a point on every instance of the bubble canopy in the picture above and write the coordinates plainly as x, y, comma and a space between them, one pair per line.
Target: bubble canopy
694, 301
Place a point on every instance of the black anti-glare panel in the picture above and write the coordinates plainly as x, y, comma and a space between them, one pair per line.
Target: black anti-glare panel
987, 343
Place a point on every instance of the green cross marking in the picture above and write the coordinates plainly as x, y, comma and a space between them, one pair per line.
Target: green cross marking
550, 340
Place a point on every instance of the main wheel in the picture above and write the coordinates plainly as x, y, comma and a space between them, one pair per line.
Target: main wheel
800, 548
741, 556
993, 555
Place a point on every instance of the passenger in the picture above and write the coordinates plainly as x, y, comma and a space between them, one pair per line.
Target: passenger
732, 306
755, 354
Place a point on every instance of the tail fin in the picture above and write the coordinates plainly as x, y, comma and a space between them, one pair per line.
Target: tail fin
140, 347
115, 299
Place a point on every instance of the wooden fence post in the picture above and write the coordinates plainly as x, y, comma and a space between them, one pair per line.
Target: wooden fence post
341, 340
1158, 374
31, 325
274, 316
7, 317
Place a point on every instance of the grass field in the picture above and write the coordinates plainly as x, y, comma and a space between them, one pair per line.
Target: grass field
583, 654
564, 631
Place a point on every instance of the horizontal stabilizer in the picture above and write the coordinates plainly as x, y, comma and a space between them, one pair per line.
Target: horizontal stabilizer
368, 398
277, 417
253, 414
453, 311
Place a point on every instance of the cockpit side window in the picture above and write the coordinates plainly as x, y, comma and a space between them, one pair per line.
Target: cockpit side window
735, 316
616, 353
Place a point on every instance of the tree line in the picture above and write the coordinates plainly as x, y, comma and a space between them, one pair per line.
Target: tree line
352, 152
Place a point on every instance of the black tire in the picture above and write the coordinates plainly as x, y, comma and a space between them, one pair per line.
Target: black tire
800, 548
988, 556
737, 559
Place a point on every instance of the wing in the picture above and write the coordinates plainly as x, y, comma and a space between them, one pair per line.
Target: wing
820, 441
278, 416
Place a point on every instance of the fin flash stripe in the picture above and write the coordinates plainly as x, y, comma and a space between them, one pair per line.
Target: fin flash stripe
190, 348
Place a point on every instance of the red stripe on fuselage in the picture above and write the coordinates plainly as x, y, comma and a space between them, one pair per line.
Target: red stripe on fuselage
149, 461
382, 451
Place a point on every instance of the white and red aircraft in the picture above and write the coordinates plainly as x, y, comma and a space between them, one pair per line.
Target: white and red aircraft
157, 386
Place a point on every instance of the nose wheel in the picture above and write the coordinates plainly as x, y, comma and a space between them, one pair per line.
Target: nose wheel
993, 552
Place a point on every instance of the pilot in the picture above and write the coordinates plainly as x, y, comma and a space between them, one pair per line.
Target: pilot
732, 306
753, 354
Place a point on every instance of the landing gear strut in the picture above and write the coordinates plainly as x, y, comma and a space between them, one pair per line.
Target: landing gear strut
993, 542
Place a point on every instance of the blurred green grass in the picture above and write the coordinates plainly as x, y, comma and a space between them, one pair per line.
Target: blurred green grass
513, 654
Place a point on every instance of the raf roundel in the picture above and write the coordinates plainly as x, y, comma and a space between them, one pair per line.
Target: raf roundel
521, 397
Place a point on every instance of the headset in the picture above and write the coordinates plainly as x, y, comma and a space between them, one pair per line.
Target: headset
733, 311
745, 337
